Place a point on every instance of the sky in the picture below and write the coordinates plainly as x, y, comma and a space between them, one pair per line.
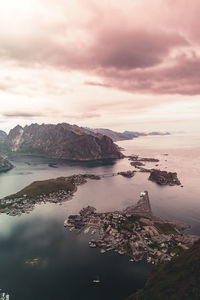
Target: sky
123, 65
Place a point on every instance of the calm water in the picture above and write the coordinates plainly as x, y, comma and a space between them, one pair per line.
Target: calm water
67, 265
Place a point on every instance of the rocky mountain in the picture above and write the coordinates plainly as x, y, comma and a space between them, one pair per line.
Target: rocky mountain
61, 141
5, 165
177, 279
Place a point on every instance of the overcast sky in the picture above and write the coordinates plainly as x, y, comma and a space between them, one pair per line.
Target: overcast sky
125, 64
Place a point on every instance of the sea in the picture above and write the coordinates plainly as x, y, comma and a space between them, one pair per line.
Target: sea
66, 266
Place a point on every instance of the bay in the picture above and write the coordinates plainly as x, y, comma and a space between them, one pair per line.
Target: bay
66, 265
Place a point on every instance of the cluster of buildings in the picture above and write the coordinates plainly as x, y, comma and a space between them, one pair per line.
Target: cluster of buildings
140, 237
4, 296
24, 204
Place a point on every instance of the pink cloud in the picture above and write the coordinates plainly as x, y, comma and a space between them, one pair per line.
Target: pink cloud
135, 46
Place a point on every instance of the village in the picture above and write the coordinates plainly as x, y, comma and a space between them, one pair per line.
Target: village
134, 231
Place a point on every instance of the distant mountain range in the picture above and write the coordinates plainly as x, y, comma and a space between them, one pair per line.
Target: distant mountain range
126, 135
59, 141
177, 279
65, 141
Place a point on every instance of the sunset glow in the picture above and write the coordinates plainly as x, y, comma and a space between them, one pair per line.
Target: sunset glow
123, 65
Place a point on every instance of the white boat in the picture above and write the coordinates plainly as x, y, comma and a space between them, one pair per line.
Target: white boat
96, 280
102, 251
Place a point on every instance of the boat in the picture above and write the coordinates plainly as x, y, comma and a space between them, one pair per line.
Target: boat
102, 251
96, 280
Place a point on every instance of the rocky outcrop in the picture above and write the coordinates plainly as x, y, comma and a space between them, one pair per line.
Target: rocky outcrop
61, 141
5, 165
164, 177
128, 174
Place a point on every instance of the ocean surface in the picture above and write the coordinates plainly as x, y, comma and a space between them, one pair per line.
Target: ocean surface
66, 265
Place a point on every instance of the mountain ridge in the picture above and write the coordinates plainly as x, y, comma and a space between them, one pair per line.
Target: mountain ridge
62, 141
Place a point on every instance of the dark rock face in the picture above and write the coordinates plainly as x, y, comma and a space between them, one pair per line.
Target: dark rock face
61, 141
5, 165
164, 177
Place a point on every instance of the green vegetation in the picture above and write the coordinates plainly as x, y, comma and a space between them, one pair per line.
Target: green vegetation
128, 226
165, 228
44, 187
177, 280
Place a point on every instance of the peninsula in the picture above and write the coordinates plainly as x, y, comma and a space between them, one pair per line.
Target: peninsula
134, 231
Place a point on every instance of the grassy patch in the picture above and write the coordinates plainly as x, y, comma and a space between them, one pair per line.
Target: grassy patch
165, 228
44, 187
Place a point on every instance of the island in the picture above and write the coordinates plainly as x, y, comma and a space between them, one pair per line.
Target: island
51, 190
156, 175
134, 231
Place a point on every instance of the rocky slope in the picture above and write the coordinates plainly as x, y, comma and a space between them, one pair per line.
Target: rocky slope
176, 280
5, 165
61, 141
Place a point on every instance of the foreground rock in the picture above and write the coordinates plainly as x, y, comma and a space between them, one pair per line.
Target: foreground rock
177, 279
134, 231
5, 165
60, 141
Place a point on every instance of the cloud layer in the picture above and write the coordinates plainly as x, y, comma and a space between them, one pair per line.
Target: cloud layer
96, 58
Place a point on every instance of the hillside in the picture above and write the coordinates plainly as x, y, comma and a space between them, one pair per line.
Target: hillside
60, 141
177, 280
